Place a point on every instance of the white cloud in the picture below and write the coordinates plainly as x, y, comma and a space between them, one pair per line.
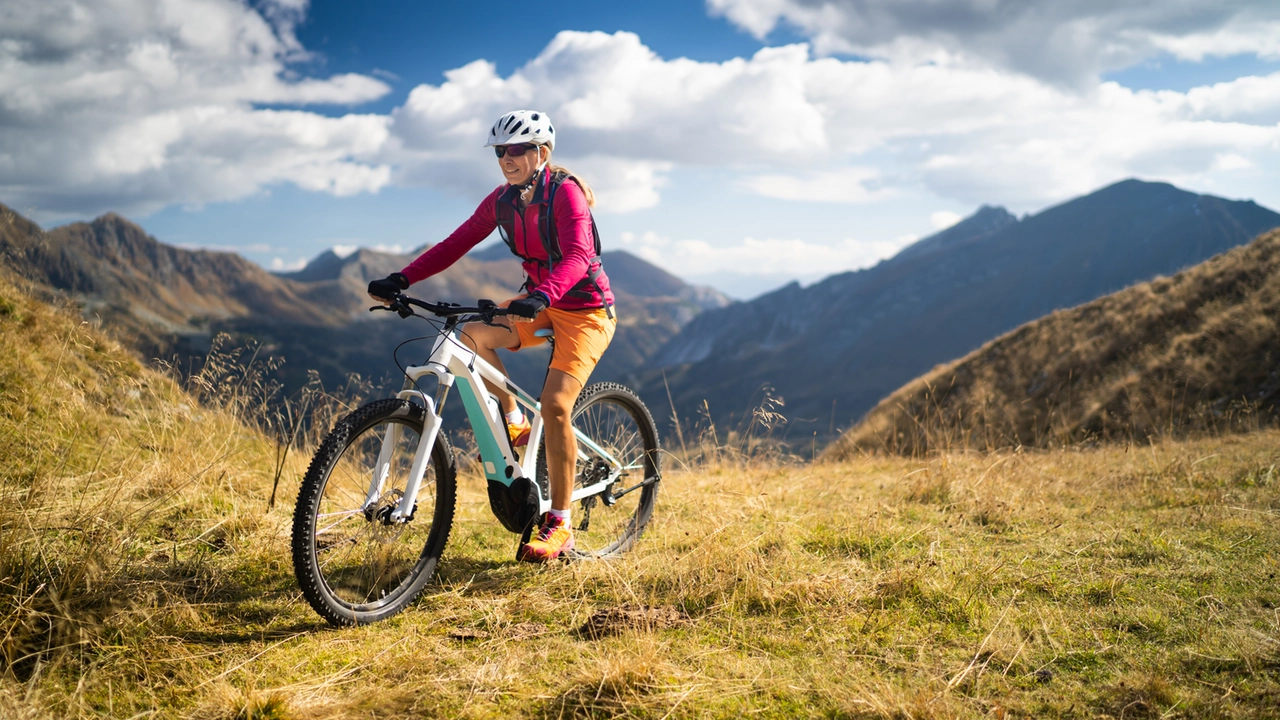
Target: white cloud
764, 257
279, 265
345, 250
1064, 42
851, 185
823, 129
621, 185
944, 219
132, 105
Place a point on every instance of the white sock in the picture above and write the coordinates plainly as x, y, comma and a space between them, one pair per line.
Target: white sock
563, 515
515, 417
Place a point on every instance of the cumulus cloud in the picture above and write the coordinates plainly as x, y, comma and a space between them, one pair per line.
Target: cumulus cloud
767, 256
944, 219
132, 105
851, 185
1065, 42
799, 127
135, 104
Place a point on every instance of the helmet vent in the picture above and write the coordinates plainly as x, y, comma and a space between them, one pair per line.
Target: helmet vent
520, 126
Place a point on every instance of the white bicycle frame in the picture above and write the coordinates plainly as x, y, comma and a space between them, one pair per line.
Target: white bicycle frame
452, 363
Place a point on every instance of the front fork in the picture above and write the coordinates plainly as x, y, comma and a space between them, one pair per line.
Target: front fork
377, 482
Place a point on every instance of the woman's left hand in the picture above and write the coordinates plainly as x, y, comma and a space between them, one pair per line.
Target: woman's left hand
525, 309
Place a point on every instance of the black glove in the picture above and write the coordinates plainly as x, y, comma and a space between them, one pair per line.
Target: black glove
528, 307
389, 287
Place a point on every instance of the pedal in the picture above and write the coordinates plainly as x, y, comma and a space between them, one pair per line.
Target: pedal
587, 504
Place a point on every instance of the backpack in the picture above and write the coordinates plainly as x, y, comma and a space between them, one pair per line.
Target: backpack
551, 242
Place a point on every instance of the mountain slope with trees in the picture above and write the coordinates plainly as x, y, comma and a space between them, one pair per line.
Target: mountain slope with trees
166, 300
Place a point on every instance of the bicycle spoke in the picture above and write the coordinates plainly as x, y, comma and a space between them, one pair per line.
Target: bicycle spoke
340, 512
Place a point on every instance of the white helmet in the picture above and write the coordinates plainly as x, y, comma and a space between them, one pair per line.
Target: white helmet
523, 126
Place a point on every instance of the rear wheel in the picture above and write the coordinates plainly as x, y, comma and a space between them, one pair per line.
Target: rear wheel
615, 419
355, 563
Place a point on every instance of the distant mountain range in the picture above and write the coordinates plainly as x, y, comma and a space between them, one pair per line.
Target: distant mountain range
834, 349
1199, 351
169, 300
831, 350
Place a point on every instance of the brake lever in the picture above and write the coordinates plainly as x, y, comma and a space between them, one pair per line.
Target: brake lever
396, 307
488, 311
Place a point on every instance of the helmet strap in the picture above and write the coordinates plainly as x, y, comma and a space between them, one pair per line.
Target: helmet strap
537, 172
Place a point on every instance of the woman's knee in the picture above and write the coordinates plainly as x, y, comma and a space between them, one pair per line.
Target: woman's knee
479, 336
556, 409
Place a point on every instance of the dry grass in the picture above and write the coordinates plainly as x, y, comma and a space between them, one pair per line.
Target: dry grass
144, 576
1174, 357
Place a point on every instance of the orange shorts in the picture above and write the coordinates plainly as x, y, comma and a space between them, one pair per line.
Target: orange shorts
581, 338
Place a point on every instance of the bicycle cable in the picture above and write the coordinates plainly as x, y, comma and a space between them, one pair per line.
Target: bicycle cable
440, 330
395, 354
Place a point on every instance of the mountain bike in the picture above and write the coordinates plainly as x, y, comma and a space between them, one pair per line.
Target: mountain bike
376, 505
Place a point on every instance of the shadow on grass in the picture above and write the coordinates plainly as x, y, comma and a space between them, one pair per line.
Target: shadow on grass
239, 636
479, 576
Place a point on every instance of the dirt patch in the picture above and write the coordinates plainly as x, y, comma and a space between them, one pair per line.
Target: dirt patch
523, 630
615, 620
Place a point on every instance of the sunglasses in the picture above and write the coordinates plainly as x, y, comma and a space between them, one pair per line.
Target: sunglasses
513, 150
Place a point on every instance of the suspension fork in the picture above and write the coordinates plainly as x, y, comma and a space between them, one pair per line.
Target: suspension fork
382, 469
422, 454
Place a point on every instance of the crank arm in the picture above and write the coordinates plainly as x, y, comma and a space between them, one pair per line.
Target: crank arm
594, 489
651, 480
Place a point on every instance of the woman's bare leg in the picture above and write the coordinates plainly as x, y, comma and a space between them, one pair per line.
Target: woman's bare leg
558, 396
485, 340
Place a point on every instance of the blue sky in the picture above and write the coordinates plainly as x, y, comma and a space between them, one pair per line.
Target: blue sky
739, 143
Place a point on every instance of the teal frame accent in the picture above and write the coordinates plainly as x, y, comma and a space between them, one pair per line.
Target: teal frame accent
478, 415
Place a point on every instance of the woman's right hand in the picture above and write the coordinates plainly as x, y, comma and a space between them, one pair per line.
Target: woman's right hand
386, 289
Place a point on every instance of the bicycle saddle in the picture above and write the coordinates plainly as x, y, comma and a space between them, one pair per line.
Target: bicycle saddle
544, 333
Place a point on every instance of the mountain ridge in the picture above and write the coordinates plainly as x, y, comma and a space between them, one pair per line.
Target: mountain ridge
833, 349
1196, 351
167, 299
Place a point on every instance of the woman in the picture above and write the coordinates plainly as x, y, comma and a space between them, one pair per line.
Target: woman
565, 289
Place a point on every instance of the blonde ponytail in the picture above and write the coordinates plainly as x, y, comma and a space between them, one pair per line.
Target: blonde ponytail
586, 189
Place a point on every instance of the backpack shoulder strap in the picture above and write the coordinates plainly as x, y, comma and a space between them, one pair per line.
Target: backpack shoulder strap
551, 242
547, 222
505, 216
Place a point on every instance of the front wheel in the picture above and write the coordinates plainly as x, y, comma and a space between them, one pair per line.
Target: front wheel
616, 420
355, 563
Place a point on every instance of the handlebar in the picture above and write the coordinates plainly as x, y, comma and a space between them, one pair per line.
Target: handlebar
484, 311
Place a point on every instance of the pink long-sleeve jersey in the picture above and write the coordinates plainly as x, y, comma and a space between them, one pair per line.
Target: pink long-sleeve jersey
563, 285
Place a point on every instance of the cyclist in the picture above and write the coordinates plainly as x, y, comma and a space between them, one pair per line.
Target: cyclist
565, 289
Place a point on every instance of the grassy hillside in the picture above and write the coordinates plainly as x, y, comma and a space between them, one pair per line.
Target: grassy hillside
1194, 352
142, 575
115, 488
